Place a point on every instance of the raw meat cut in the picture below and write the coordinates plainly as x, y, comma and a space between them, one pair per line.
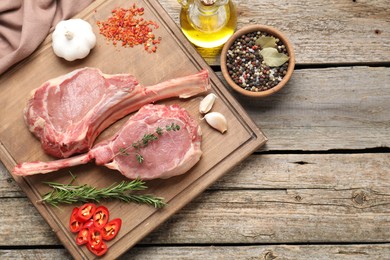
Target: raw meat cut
173, 153
68, 113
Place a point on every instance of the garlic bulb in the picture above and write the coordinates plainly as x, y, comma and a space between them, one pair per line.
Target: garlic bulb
217, 121
73, 39
207, 103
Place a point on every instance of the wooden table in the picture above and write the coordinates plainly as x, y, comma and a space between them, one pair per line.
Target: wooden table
319, 189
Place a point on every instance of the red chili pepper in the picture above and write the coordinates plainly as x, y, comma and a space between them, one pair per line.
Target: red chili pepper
100, 218
98, 251
91, 223
82, 236
111, 229
74, 224
86, 212
95, 238
88, 224
127, 26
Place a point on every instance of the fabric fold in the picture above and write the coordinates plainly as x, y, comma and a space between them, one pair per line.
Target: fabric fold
24, 24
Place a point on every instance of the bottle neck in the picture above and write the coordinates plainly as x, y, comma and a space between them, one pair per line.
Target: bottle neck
208, 18
204, 3
206, 9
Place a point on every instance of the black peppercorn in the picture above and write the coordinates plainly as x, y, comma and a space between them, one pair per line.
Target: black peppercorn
247, 68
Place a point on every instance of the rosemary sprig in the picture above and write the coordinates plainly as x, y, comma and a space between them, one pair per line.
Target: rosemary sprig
68, 193
146, 139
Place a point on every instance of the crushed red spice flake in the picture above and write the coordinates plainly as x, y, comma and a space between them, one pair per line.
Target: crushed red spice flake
126, 26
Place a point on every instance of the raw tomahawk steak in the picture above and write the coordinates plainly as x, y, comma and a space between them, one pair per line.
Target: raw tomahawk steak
68, 113
173, 153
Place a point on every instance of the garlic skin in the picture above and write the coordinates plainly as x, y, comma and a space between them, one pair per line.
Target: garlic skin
73, 39
217, 121
207, 103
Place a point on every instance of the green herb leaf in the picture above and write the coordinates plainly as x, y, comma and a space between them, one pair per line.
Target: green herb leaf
146, 139
123, 151
68, 194
159, 131
273, 58
139, 158
266, 41
172, 127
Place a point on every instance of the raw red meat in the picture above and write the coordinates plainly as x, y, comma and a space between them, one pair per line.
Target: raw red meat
68, 113
173, 153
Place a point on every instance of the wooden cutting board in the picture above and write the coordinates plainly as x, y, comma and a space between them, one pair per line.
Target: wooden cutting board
175, 57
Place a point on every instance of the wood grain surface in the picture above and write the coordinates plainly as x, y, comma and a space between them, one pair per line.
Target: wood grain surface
319, 188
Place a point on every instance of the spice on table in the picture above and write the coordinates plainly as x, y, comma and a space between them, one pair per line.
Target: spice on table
130, 28
249, 69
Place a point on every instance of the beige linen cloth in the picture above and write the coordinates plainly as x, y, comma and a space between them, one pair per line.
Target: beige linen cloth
24, 24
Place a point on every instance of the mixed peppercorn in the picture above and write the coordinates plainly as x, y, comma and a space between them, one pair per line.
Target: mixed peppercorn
246, 65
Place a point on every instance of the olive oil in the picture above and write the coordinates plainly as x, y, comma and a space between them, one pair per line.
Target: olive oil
208, 26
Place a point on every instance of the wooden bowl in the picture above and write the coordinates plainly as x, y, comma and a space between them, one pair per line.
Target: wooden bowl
273, 32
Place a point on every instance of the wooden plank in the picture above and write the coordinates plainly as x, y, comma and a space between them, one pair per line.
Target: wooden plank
243, 216
293, 216
288, 171
312, 252
265, 252
363, 171
323, 198
25, 225
321, 32
8, 186
323, 109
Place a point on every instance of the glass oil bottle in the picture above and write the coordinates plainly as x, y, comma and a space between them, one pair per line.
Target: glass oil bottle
208, 23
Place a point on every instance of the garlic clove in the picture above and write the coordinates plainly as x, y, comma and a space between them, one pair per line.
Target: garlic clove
207, 103
217, 121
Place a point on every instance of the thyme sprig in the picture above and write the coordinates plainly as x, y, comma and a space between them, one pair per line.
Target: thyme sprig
68, 193
146, 139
